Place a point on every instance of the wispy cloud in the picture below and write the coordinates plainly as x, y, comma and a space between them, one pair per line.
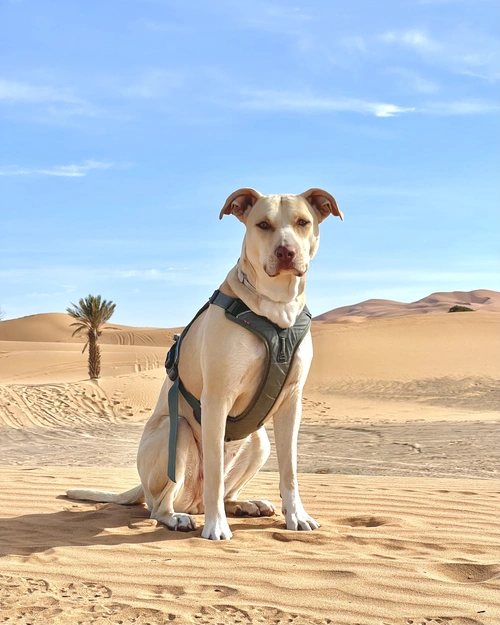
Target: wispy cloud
13, 91
416, 39
53, 277
450, 1
407, 276
270, 100
67, 289
462, 51
414, 82
154, 83
56, 101
149, 274
67, 171
267, 16
165, 27
460, 107
353, 43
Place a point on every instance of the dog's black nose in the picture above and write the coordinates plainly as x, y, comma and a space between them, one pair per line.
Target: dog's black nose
285, 255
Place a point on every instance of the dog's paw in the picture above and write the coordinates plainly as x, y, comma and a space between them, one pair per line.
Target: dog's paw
250, 508
179, 522
300, 521
217, 529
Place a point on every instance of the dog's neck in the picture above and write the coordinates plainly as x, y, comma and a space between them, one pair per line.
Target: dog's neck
280, 299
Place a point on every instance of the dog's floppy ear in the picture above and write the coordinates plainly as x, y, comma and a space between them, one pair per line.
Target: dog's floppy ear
239, 201
323, 202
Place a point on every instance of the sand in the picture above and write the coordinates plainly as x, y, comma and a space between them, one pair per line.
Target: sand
399, 460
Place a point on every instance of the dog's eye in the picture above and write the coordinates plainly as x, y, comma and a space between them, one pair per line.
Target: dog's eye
302, 222
263, 225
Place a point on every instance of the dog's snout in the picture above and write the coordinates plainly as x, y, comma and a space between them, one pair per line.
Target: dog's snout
285, 256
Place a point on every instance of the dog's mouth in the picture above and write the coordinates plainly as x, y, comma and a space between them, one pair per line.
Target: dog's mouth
275, 272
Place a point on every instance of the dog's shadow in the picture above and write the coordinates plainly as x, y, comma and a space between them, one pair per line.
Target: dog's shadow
91, 524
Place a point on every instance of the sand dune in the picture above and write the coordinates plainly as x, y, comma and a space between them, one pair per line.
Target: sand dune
398, 452
480, 299
56, 328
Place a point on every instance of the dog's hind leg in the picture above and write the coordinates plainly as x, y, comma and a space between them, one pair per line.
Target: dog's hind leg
243, 467
171, 502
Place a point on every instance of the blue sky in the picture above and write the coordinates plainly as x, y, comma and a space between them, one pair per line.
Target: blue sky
125, 124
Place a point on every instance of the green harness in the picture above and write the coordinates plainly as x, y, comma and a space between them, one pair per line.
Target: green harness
281, 346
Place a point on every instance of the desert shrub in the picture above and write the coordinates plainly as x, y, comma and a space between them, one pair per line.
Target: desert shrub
458, 308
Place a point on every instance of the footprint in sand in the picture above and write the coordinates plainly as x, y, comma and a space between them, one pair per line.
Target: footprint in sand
85, 591
463, 573
300, 537
12, 588
231, 615
367, 521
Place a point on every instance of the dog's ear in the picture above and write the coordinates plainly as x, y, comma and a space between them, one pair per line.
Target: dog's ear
323, 203
239, 201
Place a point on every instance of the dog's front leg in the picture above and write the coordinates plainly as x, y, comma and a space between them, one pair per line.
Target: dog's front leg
286, 424
212, 430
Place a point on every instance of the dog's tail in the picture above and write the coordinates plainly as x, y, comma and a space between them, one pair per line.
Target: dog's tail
135, 495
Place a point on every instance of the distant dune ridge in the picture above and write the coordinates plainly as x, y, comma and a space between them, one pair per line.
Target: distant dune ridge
56, 328
480, 299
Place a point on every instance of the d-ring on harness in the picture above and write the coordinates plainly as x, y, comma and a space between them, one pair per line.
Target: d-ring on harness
281, 346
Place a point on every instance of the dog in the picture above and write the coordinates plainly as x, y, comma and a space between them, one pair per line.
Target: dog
222, 364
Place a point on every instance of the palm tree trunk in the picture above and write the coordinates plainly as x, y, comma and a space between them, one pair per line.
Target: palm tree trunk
94, 356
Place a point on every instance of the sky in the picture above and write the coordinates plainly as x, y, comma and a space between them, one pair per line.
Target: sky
125, 124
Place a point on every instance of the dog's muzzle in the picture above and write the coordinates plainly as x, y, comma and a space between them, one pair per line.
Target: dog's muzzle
285, 260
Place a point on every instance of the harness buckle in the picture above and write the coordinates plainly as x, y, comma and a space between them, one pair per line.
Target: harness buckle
233, 307
282, 349
172, 359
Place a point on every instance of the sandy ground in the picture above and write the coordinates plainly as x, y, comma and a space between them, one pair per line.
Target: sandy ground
399, 461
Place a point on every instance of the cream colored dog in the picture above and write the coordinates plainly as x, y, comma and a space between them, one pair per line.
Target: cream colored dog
221, 363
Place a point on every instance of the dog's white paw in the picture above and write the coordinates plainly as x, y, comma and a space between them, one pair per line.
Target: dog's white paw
178, 521
300, 521
250, 508
217, 529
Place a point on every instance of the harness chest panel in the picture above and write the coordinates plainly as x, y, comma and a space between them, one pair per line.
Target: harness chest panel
281, 345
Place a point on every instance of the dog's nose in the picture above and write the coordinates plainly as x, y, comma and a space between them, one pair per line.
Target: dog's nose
285, 256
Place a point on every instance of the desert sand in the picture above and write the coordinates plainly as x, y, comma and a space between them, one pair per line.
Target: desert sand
399, 460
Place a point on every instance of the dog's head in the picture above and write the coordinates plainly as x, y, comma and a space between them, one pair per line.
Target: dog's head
282, 233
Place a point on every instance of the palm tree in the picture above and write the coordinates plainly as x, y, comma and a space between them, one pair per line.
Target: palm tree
90, 314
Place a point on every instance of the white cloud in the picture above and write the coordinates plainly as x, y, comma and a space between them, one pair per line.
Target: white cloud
12, 91
268, 16
270, 100
415, 82
460, 107
461, 51
354, 43
165, 27
67, 171
416, 39
450, 1
406, 275
58, 103
149, 274
154, 83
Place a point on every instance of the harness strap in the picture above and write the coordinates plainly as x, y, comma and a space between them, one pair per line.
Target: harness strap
173, 410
